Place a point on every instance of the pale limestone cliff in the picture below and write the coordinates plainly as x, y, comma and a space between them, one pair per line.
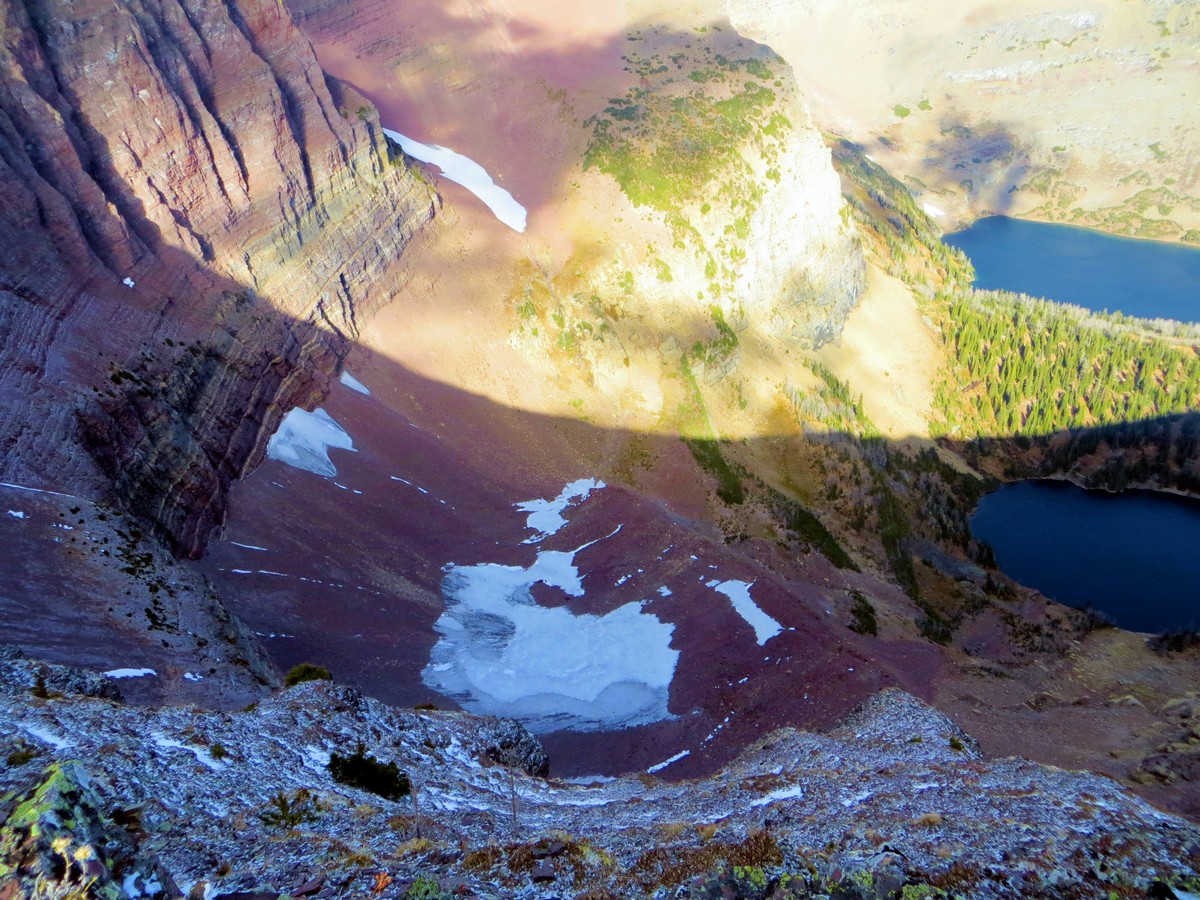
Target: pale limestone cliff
730, 247
804, 270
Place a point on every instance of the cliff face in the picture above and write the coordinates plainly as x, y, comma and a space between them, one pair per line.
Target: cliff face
730, 159
195, 220
803, 264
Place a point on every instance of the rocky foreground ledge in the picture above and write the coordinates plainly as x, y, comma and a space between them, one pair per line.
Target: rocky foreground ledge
894, 802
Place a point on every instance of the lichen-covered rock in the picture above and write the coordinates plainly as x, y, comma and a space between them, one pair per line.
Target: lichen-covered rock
240, 802
511, 744
55, 841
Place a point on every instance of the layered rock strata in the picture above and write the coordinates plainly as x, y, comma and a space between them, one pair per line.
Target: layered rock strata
196, 219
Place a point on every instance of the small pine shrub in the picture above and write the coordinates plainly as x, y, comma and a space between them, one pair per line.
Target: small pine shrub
425, 889
935, 628
291, 811
367, 773
306, 672
39, 687
1089, 619
863, 620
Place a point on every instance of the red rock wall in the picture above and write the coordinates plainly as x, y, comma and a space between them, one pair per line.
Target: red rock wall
199, 150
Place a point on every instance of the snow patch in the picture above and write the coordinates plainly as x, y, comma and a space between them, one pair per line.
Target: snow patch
465, 171
247, 546
192, 676
128, 282
932, 210
16, 514
664, 591
199, 752
353, 383
546, 516
47, 736
588, 780
129, 673
738, 593
316, 758
304, 440
33, 490
783, 793
500, 653
658, 767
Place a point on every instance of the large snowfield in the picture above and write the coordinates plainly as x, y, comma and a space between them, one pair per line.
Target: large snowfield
500, 652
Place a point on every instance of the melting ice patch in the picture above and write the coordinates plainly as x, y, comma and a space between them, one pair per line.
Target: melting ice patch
546, 516
304, 439
500, 653
469, 174
353, 383
738, 593
784, 793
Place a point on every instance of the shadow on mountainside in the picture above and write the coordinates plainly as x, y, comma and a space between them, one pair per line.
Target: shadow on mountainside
987, 161
175, 385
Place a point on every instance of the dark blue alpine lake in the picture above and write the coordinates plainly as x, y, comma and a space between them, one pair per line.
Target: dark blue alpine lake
1134, 555
1148, 279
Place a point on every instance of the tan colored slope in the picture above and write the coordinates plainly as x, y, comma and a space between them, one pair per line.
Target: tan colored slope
1103, 92
890, 355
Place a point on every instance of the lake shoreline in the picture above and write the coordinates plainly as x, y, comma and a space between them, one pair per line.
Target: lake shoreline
1085, 267
1129, 557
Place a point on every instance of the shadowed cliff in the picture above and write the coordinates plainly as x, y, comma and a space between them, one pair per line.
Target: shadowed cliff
196, 219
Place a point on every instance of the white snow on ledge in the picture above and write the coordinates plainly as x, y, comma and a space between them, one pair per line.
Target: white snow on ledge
202, 755
545, 516
353, 383
470, 174
932, 210
658, 767
129, 673
304, 440
47, 736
